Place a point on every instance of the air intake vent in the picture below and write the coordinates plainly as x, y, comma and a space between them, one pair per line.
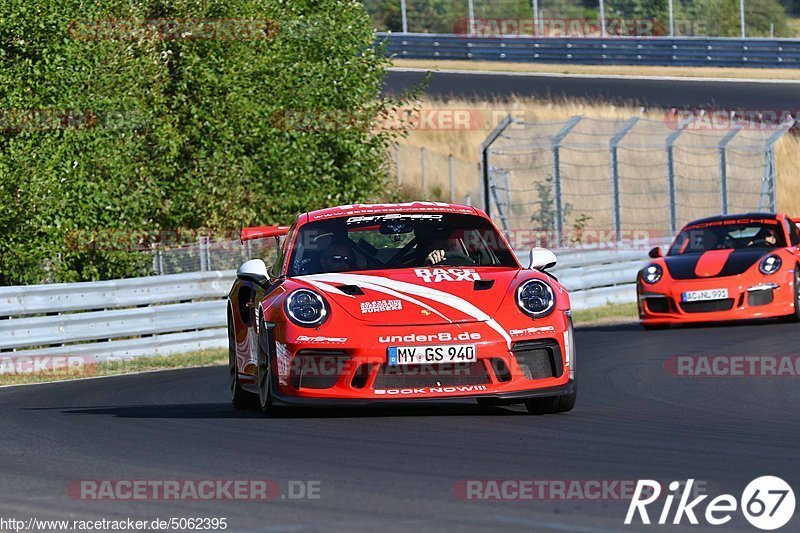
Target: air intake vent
352, 290
707, 307
316, 369
539, 359
441, 375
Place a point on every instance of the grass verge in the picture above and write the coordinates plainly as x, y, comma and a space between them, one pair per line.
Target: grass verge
604, 70
608, 314
111, 368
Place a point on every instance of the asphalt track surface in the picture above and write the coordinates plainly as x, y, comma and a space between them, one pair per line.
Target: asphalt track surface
394, 469
660, 94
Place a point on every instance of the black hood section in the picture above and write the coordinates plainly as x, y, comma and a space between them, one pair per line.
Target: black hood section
683, 266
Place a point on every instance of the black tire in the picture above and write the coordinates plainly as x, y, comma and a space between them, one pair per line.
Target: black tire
240, 398
795, 317
264, 375
552, 404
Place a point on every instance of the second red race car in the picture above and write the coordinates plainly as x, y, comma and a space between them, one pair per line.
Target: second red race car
722, 268
398, 302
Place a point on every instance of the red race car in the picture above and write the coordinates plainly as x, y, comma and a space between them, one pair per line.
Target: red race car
395, 302
722, 268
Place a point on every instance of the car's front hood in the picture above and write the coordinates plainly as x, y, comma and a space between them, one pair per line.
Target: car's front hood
714, 263
416, 296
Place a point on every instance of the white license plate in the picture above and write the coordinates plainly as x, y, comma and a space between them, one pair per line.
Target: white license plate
700, 296
431, 355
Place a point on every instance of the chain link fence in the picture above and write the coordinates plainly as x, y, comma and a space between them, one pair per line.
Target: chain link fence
209, 254
621, 176
424, 174
591, 18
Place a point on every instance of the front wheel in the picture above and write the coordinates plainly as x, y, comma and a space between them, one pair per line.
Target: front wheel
795, 317
240, 398
264, 373
552, 404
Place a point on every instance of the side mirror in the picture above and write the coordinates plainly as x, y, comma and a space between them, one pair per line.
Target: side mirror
254, 270
655, 253
542, 259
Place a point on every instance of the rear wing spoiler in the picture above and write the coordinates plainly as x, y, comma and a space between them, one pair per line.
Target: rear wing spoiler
261, 232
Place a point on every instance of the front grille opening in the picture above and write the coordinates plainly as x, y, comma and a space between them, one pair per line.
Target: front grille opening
658, 304
708, 306
539, 359
361, 376
317, 369
760, 297
500, 369
440, 375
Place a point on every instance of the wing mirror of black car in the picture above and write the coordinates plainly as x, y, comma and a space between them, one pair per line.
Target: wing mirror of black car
254, 271
655, 253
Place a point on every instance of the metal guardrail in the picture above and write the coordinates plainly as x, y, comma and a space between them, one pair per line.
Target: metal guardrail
59, 298
162, 315
118, 318
595, 278
684, 51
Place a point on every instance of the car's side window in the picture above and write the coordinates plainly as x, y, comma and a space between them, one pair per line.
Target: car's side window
794, 235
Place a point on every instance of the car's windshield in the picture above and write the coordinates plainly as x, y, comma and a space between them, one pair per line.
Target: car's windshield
397, 240
728, 235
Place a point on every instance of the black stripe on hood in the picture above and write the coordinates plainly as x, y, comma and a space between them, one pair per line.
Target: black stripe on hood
683, 266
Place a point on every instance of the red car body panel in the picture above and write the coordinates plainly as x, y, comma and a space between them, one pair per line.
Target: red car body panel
372, 310
751, 293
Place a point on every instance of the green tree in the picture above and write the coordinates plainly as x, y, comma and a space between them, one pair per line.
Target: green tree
181, 133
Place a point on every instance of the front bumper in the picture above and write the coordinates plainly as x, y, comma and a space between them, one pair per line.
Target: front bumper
748, 298
508, 398
538, 359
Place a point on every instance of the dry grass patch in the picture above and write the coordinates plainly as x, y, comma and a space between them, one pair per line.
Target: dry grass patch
464, 145
604, 70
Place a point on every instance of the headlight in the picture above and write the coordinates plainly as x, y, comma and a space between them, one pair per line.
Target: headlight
652, 273
770, 264
306, 308
535, 298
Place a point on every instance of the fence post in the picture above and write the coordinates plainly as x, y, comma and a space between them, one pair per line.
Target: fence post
500, 211
202, 252
557, 199
723, 166
397, 162
769, 189
673, 210
452, 179
424, 177
485, 165
613, 145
